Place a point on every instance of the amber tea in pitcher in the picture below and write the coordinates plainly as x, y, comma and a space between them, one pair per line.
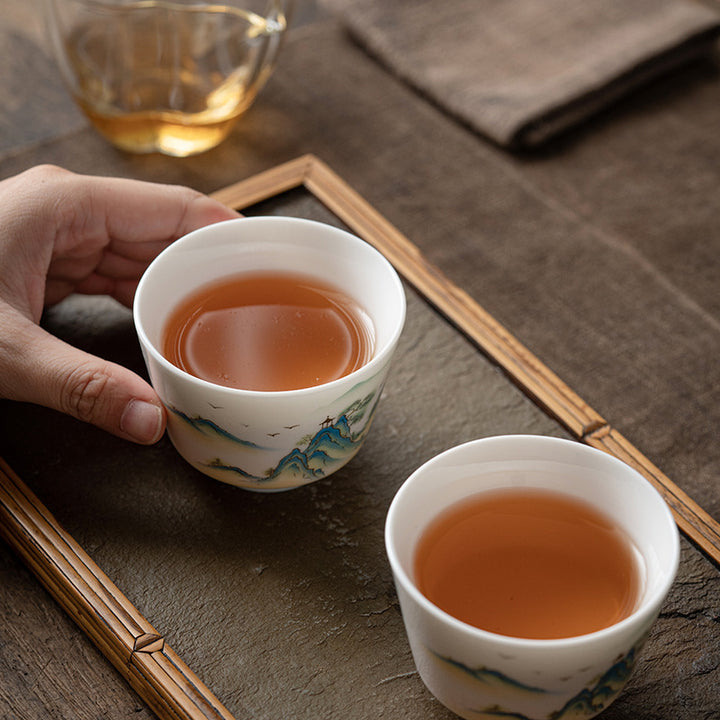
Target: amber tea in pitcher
165, 75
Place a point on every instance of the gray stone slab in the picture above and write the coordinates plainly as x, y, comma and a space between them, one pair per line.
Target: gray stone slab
284, 604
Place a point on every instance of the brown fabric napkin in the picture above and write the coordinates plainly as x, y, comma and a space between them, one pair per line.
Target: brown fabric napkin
520, 71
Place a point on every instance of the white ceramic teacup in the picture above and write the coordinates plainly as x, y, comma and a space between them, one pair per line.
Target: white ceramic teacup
269, 440
479, 674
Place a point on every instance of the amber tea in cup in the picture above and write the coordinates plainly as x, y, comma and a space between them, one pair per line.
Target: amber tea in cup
268, 331
515, 562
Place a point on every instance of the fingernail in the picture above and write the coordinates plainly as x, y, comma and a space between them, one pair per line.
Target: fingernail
143, 421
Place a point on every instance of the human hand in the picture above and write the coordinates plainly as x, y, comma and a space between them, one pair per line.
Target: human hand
62, 233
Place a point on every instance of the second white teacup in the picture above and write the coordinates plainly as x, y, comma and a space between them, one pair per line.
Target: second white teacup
481, 674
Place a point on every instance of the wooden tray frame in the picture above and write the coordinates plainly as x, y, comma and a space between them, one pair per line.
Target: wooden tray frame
123, 635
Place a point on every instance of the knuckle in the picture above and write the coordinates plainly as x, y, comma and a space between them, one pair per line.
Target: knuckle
46, 172
83, 391
48, 169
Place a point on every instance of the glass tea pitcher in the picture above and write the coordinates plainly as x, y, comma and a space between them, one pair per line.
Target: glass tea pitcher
169, 76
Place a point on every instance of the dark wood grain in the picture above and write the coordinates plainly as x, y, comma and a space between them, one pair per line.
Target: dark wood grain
49, 668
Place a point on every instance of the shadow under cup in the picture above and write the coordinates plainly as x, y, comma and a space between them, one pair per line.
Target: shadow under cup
258, 440
479, 674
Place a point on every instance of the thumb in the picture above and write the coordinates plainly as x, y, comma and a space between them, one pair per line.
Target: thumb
47, 371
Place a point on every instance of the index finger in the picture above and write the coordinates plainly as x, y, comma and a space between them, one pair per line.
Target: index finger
132, 211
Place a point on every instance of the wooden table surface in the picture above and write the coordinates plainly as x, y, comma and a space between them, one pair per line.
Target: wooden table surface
599, 252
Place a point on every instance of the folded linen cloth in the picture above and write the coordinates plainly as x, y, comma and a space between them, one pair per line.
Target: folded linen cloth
520, 71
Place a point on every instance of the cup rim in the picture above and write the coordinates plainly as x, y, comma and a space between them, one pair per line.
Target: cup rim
642, 615
373, 365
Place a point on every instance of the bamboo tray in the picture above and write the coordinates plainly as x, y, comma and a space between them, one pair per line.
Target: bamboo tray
124, 636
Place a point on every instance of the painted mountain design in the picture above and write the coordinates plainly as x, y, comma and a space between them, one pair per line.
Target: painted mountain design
592, 700
587, 703
208, 427
314, 455
490, 677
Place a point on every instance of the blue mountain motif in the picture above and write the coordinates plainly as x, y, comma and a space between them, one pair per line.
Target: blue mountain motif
296, 463
600, 695
332, 444
335, 438
587, 703
208, 427
490, 677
